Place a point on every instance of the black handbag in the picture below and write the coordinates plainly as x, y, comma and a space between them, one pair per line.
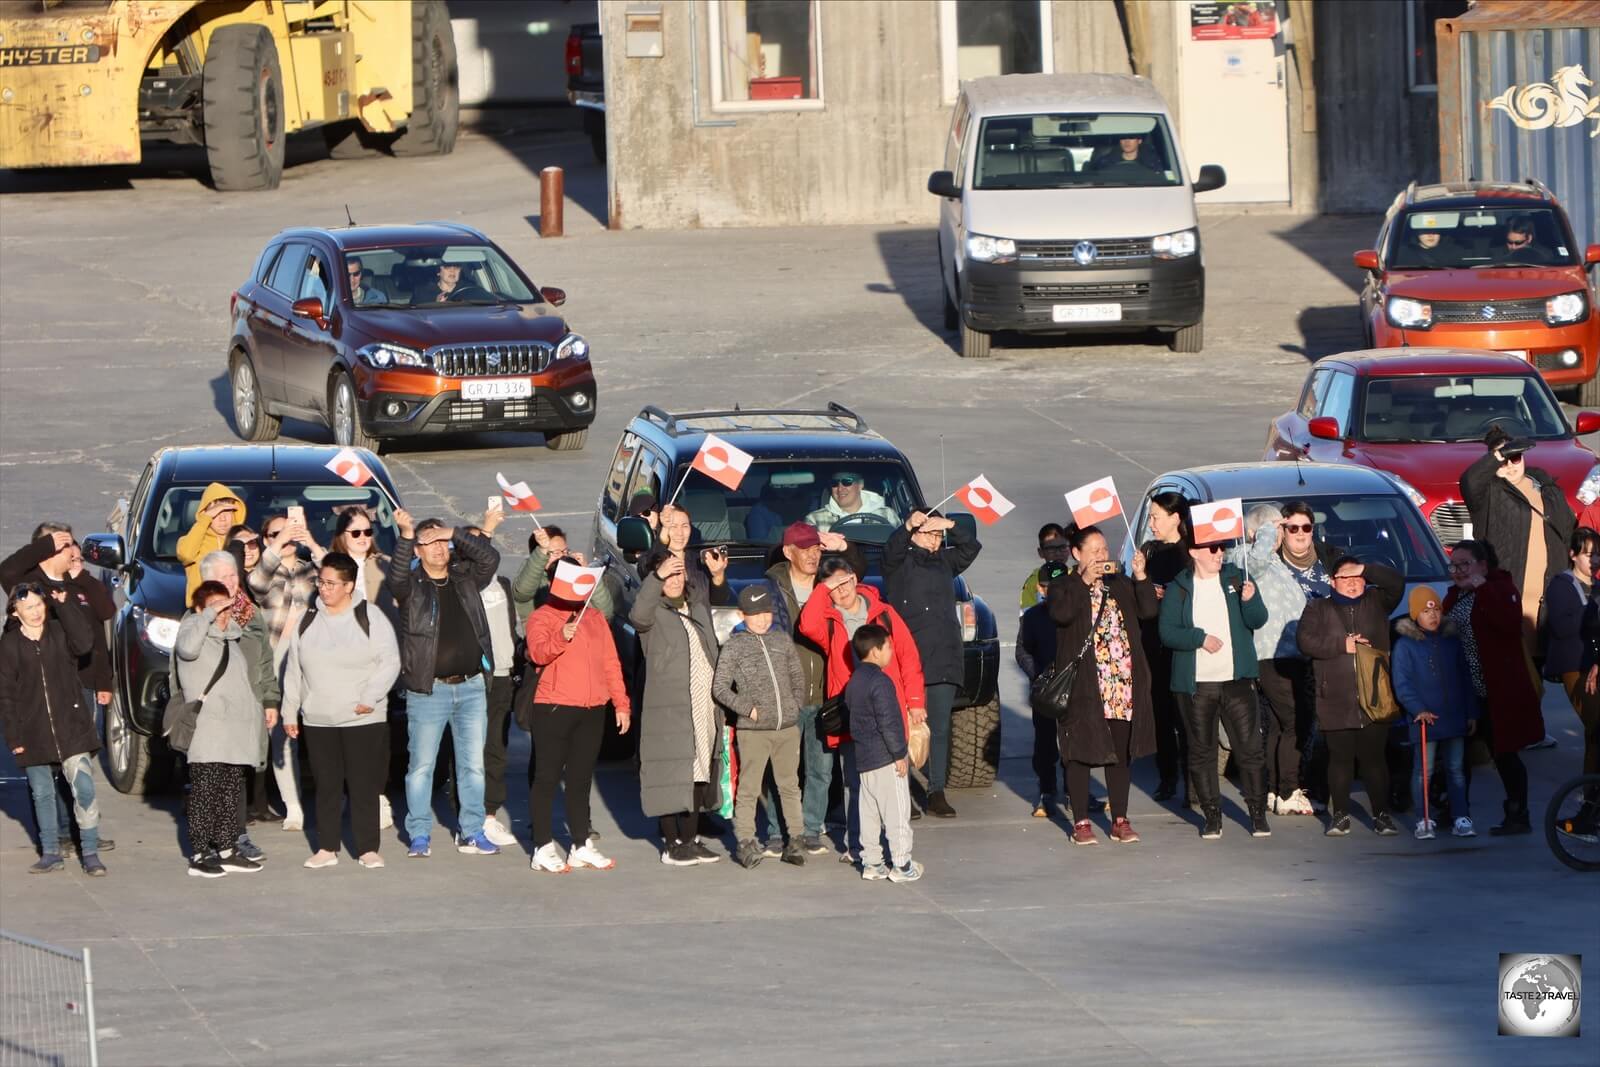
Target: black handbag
1052, 690
833, 718
182, 716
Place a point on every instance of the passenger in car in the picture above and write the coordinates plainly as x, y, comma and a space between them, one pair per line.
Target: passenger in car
362, 289
1426, 251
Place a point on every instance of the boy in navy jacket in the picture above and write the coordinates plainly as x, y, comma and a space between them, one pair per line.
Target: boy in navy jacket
878, 731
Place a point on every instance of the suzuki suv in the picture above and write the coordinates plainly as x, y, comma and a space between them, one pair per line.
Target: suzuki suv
1491, 266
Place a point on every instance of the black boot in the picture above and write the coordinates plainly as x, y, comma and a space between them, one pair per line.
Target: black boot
1258, 820
1516, 821
1213, 825
939, 807
1165, 791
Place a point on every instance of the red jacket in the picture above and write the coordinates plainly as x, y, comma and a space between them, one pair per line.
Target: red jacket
1513, 703
584, 672
905, 670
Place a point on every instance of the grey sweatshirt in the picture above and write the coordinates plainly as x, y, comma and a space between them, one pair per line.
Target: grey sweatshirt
231, 727
760, 672
333, 667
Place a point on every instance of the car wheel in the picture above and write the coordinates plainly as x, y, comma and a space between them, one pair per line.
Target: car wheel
435, 111
344, 417
974, 343
571, 441
134, 763
242, 109
974, 746
1188, 338
251, 420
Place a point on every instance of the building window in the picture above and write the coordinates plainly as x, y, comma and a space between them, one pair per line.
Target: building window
982, 37
765, 55
1423, 56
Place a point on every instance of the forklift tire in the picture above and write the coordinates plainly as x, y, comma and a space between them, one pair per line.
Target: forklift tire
242, 108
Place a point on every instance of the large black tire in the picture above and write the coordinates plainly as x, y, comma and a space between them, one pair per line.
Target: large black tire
344, 416
594, 127
1189, 338
435, 100
974, 343
242, 107
134, 764
974, 746
251, 420
571, 441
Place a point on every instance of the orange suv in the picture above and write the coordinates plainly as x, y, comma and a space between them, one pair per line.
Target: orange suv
1484, 265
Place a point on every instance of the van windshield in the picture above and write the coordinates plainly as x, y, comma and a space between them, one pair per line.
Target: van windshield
1059, 151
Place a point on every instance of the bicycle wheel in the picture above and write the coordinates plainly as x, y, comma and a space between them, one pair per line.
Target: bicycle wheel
1572, 823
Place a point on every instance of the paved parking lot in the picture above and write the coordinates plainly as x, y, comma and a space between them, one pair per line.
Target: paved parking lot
113, 318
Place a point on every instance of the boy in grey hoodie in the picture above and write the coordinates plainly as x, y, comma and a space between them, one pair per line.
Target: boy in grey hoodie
759, 679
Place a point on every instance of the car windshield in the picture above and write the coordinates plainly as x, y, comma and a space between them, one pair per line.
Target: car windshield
1459, 408
1473, 237
1376, 529
433, 276
1058, 151
175, 514
862, 500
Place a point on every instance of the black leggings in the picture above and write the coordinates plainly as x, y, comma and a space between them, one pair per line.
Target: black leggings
347, 759
1285, 692
216, 796
684, 825
1513, 773
1346, 748
566, 744
1118, 775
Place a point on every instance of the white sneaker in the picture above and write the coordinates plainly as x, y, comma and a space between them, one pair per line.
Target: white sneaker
1296, 803
1272, 804
587, 855
1424, 830
548, 859
1463, 828
496, 832
294, 819
320, 860
385, 812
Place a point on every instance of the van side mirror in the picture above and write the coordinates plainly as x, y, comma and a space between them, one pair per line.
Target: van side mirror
553, 296
943, 183
106, 550
1325, 427
634, 534
1211, 177
310, 307
1367, 259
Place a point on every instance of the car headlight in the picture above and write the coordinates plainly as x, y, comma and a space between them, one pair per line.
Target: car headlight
572, 347
158, 631
383, 354
1568, 307
1409, 314
1589, 491
1410, 490
985, 249
1175, 245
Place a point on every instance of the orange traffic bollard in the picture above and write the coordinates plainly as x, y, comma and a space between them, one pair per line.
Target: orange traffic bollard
552, 197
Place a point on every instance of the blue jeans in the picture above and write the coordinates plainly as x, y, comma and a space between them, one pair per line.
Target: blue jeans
1451, 752
816, 764
79, 772
941, 698
464, 707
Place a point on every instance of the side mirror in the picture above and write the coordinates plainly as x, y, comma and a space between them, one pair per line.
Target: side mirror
943, 183
1366, 259
310, 307
634, 534
106, 549
1211, 177
1325, 427
1592, 254
966, 523
553, 296
1588, 422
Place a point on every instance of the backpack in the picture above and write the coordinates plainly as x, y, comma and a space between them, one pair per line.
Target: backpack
362, 619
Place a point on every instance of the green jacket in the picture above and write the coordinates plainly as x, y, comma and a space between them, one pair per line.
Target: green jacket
532, 580
1183, 637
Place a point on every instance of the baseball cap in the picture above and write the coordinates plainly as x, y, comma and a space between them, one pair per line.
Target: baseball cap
1515, 446
1051, 571
801, 535
755, 600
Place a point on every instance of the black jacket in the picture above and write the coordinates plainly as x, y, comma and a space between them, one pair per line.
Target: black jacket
1083, 735
473, 565
1324, 626
1500, 515
41, 698
94, 668
921, 587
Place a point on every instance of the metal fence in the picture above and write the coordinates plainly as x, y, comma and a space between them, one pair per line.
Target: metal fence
46, 1005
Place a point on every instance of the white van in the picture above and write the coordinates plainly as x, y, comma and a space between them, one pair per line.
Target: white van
1066, 206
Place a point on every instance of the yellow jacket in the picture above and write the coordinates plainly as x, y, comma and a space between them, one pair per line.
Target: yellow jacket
201, 539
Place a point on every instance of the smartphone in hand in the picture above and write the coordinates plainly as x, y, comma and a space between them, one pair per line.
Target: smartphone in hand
297, 515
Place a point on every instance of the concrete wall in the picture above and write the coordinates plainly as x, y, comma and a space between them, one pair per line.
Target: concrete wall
863, 157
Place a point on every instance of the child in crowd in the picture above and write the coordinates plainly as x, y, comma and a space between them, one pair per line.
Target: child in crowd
878, 731
1432, 681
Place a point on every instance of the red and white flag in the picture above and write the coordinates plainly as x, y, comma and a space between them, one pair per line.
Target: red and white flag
347, 465
1220, 520
573, 583
519, 496
984, 500
1094, 503
719, 460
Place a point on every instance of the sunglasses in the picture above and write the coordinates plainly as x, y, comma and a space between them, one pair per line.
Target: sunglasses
1512, 242
845, 481
27, 589
1213, 549
353, 532
246, 540
1297, 527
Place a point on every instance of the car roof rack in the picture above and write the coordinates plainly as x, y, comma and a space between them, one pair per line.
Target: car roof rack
834, 416
1544, 189
1411, 192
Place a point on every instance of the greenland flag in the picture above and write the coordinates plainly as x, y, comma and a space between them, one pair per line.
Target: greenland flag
984, 500
519, 496
721, 461
347, 465
574, 583
1221, 520
1092, 504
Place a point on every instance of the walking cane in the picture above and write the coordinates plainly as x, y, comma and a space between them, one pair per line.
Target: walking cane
1426, 784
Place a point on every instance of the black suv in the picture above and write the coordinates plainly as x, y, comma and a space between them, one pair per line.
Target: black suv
796, 453
139, 560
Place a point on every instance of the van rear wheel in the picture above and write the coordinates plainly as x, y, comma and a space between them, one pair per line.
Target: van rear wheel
974, 343
1188, 338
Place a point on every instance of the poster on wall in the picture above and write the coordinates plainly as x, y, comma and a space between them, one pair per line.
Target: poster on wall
1233, 22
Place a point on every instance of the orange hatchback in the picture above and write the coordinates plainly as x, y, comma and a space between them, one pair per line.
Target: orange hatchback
1490, 266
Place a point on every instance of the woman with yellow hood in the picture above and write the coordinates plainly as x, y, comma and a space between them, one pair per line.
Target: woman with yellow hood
220, 510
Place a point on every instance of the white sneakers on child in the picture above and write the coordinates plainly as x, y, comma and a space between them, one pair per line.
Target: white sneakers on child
1424, 830
548, 859
496, 832
587, 855
1463, 828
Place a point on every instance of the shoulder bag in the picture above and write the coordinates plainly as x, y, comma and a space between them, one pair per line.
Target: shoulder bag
1375, 685
182, 716
1052, 690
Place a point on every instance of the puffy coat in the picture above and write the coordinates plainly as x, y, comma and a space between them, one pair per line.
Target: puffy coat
1324, 626
1084, 736
666, 714
41, 697
1500, 515
584, 672
472, 566
1431, 674
921, 586
760, 672
202, 540
821, 622
1513, 699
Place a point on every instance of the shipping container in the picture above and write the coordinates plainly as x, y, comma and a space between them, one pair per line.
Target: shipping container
1518, 100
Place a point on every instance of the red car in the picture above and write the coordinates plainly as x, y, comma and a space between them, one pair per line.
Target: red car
1421, 415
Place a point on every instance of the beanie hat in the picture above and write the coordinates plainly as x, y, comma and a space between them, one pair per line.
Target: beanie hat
1422, 598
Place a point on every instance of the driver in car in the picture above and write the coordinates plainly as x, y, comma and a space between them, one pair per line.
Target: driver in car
444, 286
847, 497
1129, 155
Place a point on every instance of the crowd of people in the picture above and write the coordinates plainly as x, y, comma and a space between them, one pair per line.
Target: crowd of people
824, 687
